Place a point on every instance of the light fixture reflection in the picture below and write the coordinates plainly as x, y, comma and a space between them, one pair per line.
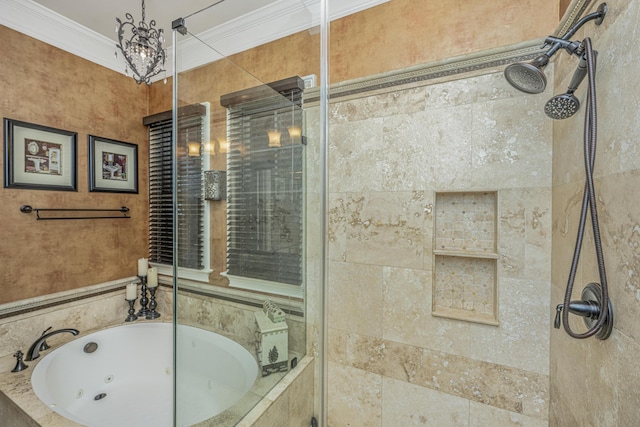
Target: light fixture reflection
193, 149
295, 133
274, 138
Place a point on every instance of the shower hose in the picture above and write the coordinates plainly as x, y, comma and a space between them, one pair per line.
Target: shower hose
588, 205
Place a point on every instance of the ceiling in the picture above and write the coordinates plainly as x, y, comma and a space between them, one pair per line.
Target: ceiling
87, 27
99, 15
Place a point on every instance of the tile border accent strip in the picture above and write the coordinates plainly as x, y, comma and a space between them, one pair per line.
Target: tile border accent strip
451, 66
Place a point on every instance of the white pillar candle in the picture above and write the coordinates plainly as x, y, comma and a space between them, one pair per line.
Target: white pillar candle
143, 266
132, 292
152, 277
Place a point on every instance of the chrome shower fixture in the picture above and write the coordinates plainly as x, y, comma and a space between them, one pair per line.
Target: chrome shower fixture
529, 77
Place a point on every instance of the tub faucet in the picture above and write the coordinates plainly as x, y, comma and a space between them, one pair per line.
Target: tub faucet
34, 351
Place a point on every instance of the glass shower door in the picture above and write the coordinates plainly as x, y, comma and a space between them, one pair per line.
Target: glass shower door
247, 210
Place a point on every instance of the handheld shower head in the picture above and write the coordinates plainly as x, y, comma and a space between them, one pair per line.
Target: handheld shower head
566, 105
562, 106
528, 77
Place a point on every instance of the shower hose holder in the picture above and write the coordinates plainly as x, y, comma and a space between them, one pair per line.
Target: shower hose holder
589, 309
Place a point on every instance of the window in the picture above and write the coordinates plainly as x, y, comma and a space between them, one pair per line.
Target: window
193, 246
265, 188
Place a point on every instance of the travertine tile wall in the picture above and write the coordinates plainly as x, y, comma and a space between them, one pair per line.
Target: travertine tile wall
595, 383
391, 362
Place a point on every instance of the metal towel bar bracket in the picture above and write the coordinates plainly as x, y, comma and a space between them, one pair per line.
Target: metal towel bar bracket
28, 209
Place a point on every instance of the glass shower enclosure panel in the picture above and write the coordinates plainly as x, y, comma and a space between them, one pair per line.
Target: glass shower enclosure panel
247, 202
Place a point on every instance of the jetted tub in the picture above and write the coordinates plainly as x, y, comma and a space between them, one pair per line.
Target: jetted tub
128, 379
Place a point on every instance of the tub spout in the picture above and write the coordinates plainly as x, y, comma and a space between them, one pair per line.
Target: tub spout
34, 351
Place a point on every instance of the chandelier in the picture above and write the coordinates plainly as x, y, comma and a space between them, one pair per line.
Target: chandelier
141, 47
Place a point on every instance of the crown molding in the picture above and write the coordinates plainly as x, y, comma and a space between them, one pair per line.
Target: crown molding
280, 19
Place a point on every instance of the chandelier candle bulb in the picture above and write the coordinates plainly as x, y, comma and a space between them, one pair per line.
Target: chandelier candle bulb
143, 267
131, 292
152, 277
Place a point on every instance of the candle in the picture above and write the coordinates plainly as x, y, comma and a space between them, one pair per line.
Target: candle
152, 277
132, 292
143, 267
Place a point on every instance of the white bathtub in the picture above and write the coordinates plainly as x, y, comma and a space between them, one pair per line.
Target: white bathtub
128, 380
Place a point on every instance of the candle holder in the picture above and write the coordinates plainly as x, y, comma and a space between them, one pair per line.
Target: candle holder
143, 297
132, 311
152, 313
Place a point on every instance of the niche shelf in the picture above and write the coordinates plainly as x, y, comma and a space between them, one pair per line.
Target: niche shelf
465, 256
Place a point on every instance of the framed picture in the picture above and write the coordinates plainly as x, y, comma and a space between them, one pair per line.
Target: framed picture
39, 157
113, 166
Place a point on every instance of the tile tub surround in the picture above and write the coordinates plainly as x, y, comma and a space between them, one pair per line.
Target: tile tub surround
109, 309
390, 152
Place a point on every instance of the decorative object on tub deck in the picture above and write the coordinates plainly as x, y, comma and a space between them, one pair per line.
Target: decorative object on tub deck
143, 269
152, 284
273, 312
131, 295
215, 185
272, 339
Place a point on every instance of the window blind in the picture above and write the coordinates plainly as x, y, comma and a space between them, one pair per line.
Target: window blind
265, 185
190, 197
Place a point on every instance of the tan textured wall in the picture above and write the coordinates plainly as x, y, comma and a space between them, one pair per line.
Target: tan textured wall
44, 85
402, 33
595, 383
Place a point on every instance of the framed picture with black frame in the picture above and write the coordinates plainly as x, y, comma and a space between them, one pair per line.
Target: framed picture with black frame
113, 165
39, 157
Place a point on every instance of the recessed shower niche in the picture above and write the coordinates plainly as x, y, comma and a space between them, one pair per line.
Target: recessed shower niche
465, 256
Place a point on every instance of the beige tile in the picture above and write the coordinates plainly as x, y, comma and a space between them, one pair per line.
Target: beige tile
484, 415
385, 358
520, 341
301, 398
430, 149
337, 346
355, 397
492, 384
629, 377
512, 232
538, 220
385, 228
407, 314
383, 105
355, 298
356, 150
411, 405
509, 151
620, 230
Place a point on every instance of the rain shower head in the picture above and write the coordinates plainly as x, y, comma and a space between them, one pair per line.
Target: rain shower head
528, 77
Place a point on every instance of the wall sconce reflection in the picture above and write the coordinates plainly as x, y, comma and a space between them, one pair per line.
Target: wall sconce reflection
193, 149
274, 138
295, 133
223, 145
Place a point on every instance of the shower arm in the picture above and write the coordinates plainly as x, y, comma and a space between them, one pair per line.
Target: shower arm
563, 42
